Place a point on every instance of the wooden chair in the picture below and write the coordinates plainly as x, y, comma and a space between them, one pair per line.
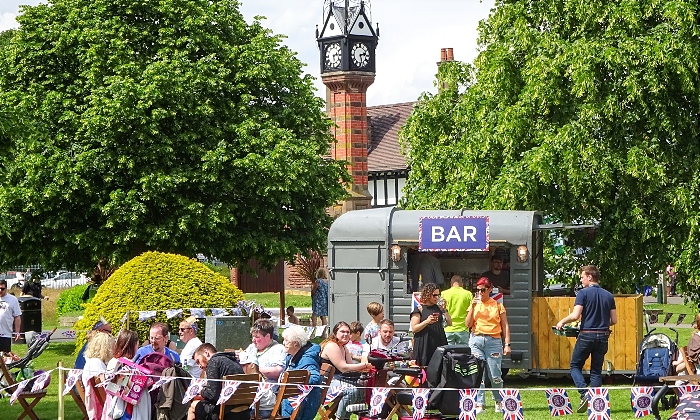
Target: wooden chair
78, 394
326, 412
100, 392
287, 389
243, 397
689, 365
27, 399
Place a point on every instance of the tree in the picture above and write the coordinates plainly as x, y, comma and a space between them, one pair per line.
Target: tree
588, 114
171, 126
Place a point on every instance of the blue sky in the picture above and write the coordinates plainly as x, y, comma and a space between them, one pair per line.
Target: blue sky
412, 32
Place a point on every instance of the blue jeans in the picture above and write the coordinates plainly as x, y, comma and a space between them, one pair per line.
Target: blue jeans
490, 349
594, 345
351, 395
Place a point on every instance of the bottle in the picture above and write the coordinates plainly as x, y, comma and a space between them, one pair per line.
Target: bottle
186, 364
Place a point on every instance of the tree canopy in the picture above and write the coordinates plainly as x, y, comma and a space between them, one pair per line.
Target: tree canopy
587, 112
172, 126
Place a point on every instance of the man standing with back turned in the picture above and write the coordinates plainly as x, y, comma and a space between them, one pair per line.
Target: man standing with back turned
457, 301
596, 308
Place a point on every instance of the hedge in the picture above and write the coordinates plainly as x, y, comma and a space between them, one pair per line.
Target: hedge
156, 281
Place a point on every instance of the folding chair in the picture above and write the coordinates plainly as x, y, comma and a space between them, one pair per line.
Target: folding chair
78, 394
326, 412
689, 365
241, 400
27, 399
287, 389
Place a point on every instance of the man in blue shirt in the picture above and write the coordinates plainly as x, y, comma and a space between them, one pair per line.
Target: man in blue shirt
158, 343
595, 307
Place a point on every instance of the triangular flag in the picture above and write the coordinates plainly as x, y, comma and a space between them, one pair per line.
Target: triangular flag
194, 389
146, 315
641, 397
20, 388
681, 317
320, 330
68, 334
162, 381
420, 402
262, 390
124, 317
304, 391
379, 396
197, 312
467, 404
511, 404
667, 317
41, 381
227, 391
333, 392
684, 389
219, 312
172, 313
71, 379
559, 402
598, 404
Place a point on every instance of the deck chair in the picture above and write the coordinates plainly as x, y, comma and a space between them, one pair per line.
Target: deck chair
327, 412
689, 365
288, 388
27, 399
241, 400
78, 394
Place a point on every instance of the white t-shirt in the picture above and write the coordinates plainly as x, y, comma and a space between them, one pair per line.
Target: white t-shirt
274, 355
9, 309
93, 367
187, 357
395, 343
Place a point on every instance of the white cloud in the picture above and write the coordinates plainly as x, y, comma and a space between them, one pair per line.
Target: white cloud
7, 21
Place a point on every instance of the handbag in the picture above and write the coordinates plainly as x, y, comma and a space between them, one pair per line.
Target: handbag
117, 408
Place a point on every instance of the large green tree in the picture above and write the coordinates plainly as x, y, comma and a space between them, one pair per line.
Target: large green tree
166, 125
586, 111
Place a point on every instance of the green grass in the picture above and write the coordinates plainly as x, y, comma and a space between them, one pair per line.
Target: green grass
272, 300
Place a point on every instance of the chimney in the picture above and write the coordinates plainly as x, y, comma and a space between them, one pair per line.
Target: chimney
446, 54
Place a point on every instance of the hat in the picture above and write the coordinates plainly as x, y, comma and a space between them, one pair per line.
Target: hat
484, 281
102, 324
192, 320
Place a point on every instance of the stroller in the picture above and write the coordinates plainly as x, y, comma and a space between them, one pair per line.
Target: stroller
39, 342
656, 355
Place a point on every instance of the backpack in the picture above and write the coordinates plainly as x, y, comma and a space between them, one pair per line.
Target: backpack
459, 370
156, 363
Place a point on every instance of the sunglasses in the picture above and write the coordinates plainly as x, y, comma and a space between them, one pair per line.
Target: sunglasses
436, 294
185, 329
481, 290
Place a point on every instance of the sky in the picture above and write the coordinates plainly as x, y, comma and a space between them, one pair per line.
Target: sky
412, 32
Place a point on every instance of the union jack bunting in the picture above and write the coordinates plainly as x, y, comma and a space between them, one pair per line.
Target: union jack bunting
641, 397
41, 382
333, 393
467, 405
684, 389
146, 315
20, 388
227, 391
162, 381
377, 401
559, 402
194, 389
71, 379
262, 389
511, 404
304, 391
68, 334
197, 312
598, 404
172, 313
420, 402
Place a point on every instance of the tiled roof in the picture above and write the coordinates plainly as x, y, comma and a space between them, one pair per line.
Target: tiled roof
384, 152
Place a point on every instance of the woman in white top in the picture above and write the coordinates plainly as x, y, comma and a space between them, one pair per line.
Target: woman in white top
97, 354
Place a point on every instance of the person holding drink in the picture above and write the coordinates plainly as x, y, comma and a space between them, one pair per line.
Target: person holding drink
489, 326
426, 324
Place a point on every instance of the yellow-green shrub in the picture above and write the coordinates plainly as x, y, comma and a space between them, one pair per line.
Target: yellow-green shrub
156, 281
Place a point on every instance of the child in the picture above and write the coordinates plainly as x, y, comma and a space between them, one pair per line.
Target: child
355, 345
376, 311
291, 318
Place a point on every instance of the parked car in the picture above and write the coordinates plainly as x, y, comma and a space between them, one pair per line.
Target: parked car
65, 279
12, 278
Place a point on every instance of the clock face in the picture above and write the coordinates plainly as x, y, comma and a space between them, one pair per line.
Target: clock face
360, 54
332, 56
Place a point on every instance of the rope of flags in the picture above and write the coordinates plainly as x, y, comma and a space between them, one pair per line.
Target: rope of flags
655, 313
558, 400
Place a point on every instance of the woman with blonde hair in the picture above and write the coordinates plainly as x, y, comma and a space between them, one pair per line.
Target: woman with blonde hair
98, 352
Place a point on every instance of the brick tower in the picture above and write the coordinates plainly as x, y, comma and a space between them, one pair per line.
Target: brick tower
347, 44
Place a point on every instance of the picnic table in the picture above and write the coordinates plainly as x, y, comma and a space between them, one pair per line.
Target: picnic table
661, 393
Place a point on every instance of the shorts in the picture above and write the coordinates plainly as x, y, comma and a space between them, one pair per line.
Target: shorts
5, 343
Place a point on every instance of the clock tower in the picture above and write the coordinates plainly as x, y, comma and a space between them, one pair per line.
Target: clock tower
347, 44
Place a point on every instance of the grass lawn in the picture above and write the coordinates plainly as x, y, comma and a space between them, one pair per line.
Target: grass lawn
272, 300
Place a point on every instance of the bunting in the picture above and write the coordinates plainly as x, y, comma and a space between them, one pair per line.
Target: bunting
262, 389
559, 402
227, 391
219, 312
125, 317
667, 317
333, 392
304, 391
172, 313
681, 317
197, 312
162, 381
641, 397
598, 404
379, 396
146, 315
512, 405
194, 389
73, 376
684, 389
41, 381
467, 404
420, 402
20, 388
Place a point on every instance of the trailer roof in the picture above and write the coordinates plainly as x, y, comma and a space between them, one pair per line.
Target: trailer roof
396, 225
